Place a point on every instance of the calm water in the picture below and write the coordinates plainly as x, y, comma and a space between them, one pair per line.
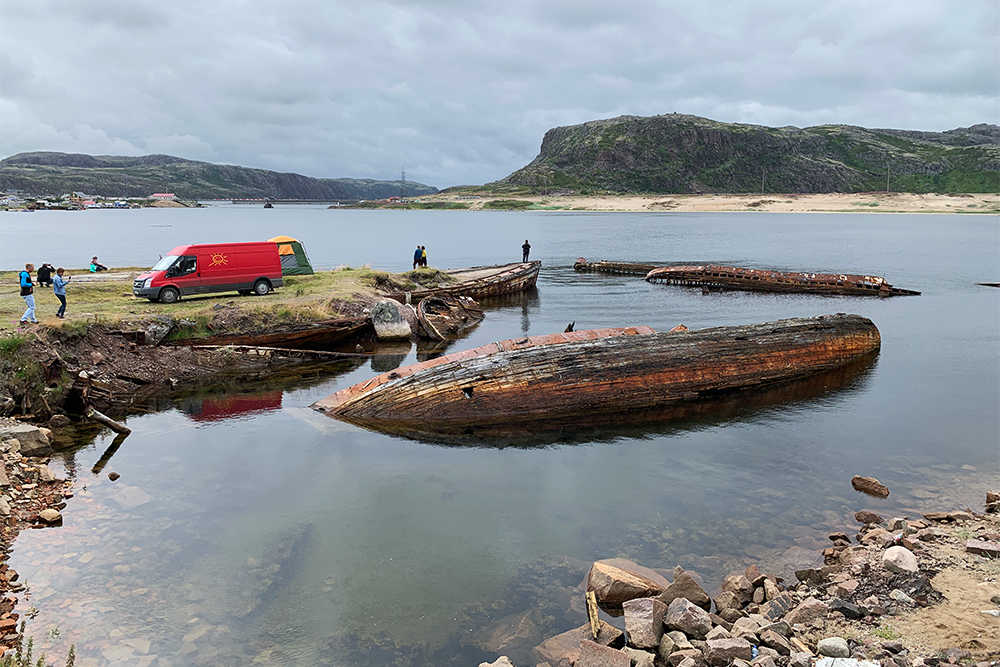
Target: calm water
250, 528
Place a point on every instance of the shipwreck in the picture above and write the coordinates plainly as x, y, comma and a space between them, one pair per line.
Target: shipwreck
731, 277
599, 371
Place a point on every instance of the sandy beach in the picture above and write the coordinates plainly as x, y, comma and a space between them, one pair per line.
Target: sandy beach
871, 202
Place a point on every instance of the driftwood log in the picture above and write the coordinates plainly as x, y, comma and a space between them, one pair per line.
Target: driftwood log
100, 418
601, 371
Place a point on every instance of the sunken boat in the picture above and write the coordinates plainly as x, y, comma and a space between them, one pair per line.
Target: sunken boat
314, 335
604, 266
711, 276
447, 317
599, 371
479, 282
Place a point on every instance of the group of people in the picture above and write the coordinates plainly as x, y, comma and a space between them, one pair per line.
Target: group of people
420, 256
47, 276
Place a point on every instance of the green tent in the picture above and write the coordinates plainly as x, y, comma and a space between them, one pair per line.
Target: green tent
294, 261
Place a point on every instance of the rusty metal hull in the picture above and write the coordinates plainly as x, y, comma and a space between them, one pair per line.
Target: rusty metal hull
498, 280
601, 371
731, 277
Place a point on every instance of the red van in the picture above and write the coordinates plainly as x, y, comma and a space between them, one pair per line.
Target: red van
247, 268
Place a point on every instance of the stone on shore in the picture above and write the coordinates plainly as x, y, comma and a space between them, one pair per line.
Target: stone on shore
31, 440
684, 586
867, 517
899, 560
613, 585
389, 322
50, 515
595, 655
644, 621
807, 611
561, 650
833, 647
870, 486
983, 548
721, 652
690, 619
502, 661
640, 658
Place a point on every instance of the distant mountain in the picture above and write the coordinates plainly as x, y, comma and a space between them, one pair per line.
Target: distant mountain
44, 173
685, 154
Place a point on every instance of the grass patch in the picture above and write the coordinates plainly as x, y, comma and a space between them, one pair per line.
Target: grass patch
887, 632
9, 345
507, 205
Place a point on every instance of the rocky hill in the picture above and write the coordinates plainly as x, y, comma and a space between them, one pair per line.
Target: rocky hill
44, 173
687, 154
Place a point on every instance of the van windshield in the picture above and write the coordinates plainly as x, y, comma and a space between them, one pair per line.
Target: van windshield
164, 263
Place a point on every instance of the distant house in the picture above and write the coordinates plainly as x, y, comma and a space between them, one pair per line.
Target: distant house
163, 195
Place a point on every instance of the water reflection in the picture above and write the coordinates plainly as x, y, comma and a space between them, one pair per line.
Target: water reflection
746, 405
528, 302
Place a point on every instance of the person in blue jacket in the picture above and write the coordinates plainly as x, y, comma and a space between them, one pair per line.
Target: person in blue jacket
27, 293
59, 283
418, 256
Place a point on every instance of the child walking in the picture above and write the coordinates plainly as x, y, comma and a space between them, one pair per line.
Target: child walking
59, 289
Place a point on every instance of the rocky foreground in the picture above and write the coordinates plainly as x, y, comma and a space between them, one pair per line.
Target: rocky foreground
30, 497
905, 593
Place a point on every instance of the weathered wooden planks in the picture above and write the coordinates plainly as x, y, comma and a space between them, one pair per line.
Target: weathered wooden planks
479, 282
731, 277
601, 371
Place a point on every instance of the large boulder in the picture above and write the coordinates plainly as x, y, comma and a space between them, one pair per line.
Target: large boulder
721, 652
833, 647
899, 560
690, 619
562, 650
684, 586
389, 322
593, 654
32, 440
613, 585
644, 621
807, 611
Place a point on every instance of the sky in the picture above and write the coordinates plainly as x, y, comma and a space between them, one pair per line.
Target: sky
462, 91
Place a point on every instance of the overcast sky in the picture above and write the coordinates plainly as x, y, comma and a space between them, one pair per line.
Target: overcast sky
462, 91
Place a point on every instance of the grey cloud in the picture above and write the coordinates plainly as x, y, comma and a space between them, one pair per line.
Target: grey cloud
462, 92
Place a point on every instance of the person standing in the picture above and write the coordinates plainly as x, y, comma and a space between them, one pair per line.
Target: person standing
59, 289
27, 293
417, 257
525, 249
423, 256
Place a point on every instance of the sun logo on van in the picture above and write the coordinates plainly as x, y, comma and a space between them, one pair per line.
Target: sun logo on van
219, 259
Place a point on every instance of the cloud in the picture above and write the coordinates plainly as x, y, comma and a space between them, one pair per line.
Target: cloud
462, 92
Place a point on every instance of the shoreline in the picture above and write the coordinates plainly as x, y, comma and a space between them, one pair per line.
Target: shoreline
868, 202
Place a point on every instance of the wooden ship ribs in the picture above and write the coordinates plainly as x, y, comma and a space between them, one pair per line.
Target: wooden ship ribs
479, 282
730, 277
599, 371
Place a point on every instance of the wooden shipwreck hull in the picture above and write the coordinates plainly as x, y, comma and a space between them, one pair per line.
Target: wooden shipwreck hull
731, 277
479, 282
599, 371
604, 266
302, 337
446, 317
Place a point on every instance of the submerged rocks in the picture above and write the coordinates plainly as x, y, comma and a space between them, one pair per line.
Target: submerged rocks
870, 486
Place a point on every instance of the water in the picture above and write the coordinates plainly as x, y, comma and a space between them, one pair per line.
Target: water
386, 550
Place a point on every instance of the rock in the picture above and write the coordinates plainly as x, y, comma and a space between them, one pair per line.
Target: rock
113, 476
720, 652
594, 655
731, 615
901, 597
948, 517
746, 628
158, 329
776, 641
869, 486
778, 607
58, 421
807, 611
718, 632
561, 650
726, 600
666, 647
681, 657
816, 576
639, 658
899, 560
389, 322
833, 647
502, 661
892, 646
4, 507
848, 609
771, 590
992, 502
31, 440
983, 548
50, 516
931, 534
683, 615
516, 634
781, 627
800, 659
613, 585
740, 585
760, 661
684, 586
13, 446
644, 621
877, 536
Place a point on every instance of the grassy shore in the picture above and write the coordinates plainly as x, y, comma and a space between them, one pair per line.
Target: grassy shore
326, 295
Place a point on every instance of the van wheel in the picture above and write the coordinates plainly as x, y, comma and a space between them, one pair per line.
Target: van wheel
169, 295
261, 287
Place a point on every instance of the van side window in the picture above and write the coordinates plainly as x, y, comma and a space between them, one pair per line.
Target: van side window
186, 265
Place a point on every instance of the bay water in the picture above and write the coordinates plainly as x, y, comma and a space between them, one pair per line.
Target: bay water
247, 528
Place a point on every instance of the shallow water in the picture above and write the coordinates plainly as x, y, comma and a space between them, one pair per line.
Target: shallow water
249, 527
